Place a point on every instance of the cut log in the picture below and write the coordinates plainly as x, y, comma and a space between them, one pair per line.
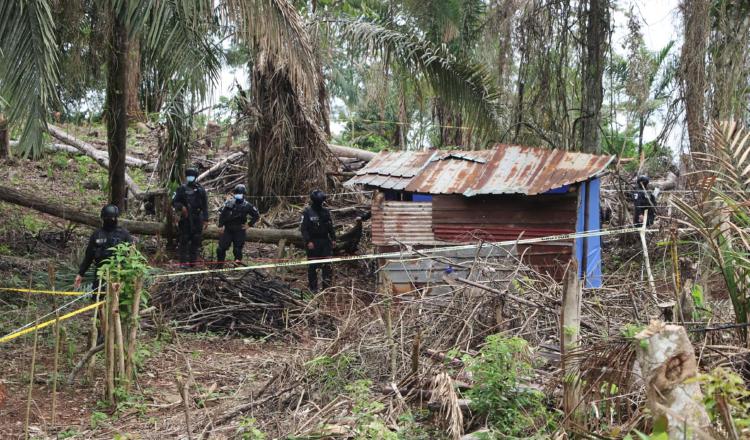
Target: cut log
341, 151
667, 361
99, 156
71, 148
28, 200
219, 165
347, 241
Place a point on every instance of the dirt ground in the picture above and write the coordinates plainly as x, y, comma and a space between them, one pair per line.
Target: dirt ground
225, 371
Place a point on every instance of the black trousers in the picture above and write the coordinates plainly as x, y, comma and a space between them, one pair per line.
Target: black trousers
191, 238
323, 249
233, 235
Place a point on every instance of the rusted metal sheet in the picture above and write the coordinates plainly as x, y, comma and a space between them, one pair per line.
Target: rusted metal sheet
392, 170
460, 219
506, 169
396, 223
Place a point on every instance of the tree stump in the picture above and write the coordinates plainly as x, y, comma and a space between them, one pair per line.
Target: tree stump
667, 360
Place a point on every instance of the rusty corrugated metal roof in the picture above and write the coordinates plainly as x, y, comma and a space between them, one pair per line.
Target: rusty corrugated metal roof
392, 170
505, 169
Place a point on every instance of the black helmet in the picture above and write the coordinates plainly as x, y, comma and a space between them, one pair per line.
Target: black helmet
643, 180
240, 189
191, 172
110, 212
318, 196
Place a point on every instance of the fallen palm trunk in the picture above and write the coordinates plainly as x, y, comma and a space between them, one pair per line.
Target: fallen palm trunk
65, 148
356, 153
348, 240
75, 145
99, 156
32, 201
220, 165
667, 361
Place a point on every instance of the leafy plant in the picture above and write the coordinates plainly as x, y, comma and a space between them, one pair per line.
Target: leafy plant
248, 431
332, 373
97, 418
126, 266
510, 408
369, 426
727, 399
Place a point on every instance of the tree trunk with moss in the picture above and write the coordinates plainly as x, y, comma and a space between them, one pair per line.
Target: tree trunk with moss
135, 113
693, 69
595, 18
116, 107
4, 137
287, 148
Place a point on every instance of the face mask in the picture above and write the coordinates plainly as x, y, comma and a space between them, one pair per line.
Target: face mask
239, 197
190, 179
110, 223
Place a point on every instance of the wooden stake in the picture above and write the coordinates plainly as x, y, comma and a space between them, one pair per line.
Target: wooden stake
56, 363
182, 387
133, 336
570, 337
31, 383
95, 332
279, 254
120, 341
677, 279
109, 336
646, 259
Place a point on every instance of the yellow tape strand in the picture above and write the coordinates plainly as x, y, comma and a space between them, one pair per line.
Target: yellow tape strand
47, 292
401, 254
45, 324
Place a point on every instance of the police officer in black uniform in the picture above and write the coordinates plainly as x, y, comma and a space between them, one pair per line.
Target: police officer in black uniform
232, 218
101, 243
643, 200
320, 239
191, 203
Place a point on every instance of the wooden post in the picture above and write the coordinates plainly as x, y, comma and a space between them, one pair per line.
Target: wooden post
133, 334
95, 332
56, 335
570, 338
646, 260
31, 382
109, 336
279, 254
120, 340
668, 364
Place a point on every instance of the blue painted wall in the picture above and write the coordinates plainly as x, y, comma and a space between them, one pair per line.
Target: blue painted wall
589, 249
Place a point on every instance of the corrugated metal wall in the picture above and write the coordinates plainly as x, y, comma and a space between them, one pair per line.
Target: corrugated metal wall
402, 222
495, 218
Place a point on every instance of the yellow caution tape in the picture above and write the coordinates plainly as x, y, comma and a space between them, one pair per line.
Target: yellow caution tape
50, 322
48, 292
401, 254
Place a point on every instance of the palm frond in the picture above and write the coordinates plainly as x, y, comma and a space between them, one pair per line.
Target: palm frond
277, 29
465, 85
723, 219
177, 42
29, 70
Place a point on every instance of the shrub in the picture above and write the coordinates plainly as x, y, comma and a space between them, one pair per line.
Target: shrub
509, 407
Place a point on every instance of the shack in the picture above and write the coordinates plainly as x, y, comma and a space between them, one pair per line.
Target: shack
439, 198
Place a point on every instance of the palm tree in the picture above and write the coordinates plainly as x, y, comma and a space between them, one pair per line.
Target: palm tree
463, 86
175, 35
28, 71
